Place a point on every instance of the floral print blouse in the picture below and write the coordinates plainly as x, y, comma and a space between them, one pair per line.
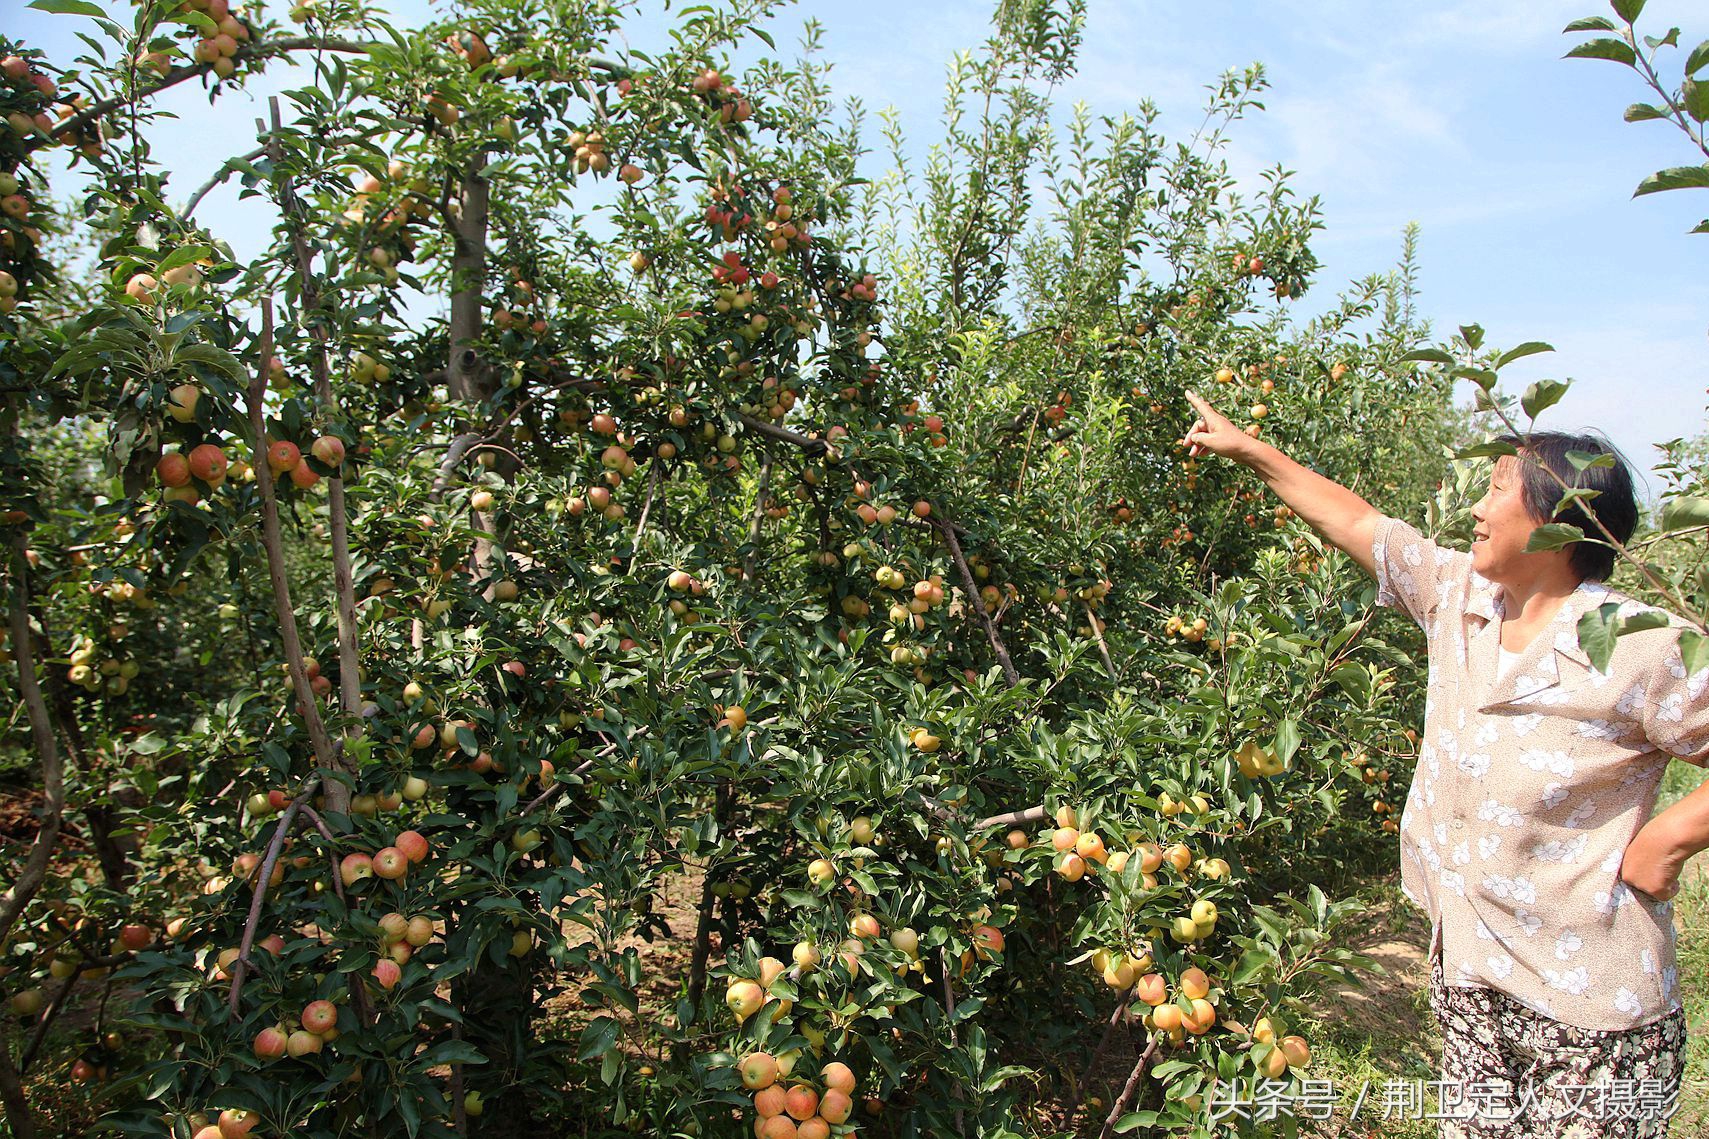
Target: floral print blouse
1529, 786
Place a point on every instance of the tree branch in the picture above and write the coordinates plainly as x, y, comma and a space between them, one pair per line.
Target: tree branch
326, 758
178, 75
30, 879
343, 578
947, 529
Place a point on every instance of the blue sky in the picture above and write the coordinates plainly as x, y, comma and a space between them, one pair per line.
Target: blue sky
1457, 114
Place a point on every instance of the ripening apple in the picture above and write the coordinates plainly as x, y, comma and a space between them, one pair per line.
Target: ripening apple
208, 463
806, 956
318, 1016
413, 844
354, 868
173, 470
29, 1002
419, 931
181, 402
861, 830
303, 1043
140, 287
744, 998
387, 974
390, 863
414, 789
1295, 1049
1195, 983
270, 1043
283, 456
526, 840
329, 449
759, 1070
821, 873
1152, 988
864, 926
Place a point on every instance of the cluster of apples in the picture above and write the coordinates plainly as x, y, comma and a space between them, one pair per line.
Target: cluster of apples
589, 149
912, 420
91, 673
285, 459
318, 1027
787, 1108
1186, 1011
732, 105
232, 1123
745, 996
389, 863
1248, 264
400, 937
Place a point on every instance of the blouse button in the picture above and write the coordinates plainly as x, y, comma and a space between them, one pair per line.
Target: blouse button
1459, 824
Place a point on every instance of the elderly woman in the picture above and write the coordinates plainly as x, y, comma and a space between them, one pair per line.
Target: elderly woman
1528, 835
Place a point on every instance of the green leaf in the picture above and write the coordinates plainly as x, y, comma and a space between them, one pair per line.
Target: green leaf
1553, 536
1585, 460
1520, 351
1605, 47
1696, 99
1700, 227
599, 1037
1643, 113
183, 255
1541, 396
1644, 619
1495, 448
70, 8
1694, 651
1683, 511
1473, 335
1287, 740
1427, 356
1597, 631
1698, 59
1627, 10
1482, 377
1674, 178
1590, 24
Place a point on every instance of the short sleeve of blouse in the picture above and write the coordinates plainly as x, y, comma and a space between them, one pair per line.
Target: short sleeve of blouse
1676, 708
1415, 574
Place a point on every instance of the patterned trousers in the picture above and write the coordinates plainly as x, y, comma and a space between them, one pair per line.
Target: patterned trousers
1520, 1075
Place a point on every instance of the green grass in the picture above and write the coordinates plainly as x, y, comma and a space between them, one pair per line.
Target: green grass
1691, 914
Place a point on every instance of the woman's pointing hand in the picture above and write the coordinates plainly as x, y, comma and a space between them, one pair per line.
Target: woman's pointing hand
1213, 432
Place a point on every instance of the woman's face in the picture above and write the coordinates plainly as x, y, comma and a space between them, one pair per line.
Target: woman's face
1502, 526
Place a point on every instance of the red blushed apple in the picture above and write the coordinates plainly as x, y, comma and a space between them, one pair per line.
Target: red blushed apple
329, 449
319, 1016
283, 457
208, 463
140, 288
387, 974
303, 1043
304, 476
235, 1122
390, 863
173, 470
603, 424
270, 1043
413, 844
355, 867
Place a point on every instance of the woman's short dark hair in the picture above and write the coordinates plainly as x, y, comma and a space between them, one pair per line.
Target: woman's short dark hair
1615, 503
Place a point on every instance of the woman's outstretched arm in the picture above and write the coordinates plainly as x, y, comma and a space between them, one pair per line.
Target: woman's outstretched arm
1345, 520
